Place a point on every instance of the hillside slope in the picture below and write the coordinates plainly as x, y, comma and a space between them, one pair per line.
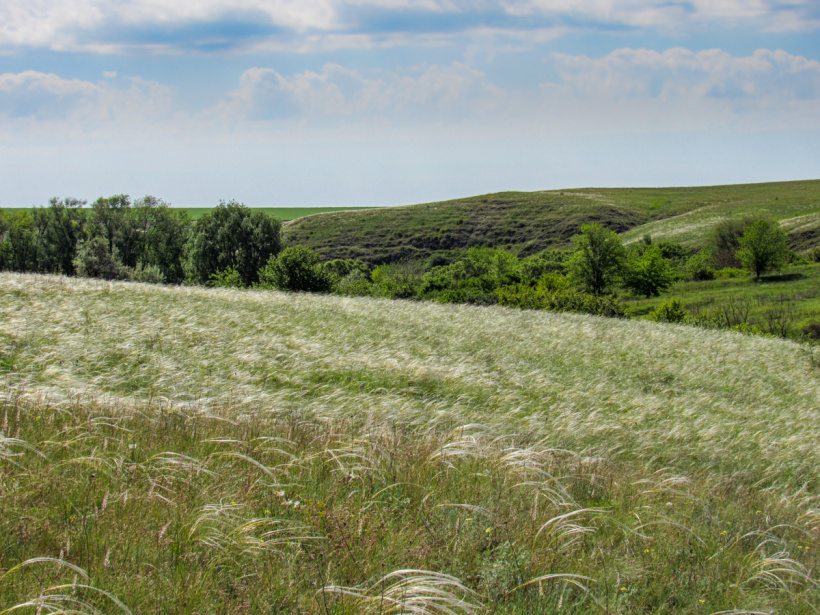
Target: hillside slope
225, 451
527, 222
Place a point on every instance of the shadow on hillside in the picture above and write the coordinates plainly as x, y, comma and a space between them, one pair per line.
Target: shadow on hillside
782, 277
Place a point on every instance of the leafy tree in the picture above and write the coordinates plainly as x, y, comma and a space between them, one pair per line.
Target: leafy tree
60, 227
763, 247
296, 269
598, 258
108, 220
232, 235
163, 233
96, 260
649, 273
725, 241
19, 240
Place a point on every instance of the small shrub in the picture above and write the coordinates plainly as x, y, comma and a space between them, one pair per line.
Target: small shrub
296, 269
814, 254
730, 272
670, 310
812, 331
564, 300
357, 283
699, 267
149, 274
227, 278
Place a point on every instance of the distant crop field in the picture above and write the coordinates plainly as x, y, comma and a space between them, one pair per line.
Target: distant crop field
282, 213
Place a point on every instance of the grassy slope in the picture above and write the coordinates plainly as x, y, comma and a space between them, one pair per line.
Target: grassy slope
799, 287
414, 436
530, 221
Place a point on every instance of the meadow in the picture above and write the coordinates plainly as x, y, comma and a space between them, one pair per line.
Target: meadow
191, 450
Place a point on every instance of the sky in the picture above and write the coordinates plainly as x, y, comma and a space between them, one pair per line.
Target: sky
389, 102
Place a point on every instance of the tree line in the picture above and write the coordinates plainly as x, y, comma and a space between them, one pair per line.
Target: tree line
234, 246
144, 240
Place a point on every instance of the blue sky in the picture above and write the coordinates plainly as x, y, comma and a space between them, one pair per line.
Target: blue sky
385, 102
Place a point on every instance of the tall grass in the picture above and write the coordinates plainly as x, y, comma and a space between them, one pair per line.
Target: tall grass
203, 451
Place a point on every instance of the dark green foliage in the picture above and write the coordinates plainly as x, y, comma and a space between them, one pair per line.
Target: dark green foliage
232, 235
763, 247
96, 260
18, 238
162, 233
670, 310
674, 252
648, 274
341, 268
60, 227
397, 281
598, 258
296, 269
534, 267
474, 279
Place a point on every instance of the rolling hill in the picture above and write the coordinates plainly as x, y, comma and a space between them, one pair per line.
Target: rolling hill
527, 222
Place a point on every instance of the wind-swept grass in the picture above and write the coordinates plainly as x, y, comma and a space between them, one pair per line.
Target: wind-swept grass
204, 451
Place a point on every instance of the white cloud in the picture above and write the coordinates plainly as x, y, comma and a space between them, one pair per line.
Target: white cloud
337, 91
32, 95
681, 73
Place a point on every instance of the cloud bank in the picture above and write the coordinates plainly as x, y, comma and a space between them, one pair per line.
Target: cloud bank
112, 26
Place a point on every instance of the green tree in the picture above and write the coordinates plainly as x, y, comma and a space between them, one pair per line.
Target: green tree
58, 229
296, 269
598, 258
649, 273
232, 235
763, 247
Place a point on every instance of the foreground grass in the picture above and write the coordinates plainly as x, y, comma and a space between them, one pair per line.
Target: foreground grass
201, 451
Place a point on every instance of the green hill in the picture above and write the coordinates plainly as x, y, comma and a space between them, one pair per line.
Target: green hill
527, 222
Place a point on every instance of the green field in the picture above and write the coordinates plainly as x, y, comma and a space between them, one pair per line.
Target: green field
222, 451
282, 213
527, 222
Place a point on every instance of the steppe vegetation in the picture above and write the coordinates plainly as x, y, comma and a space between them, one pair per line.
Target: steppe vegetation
192, 450
491, 447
